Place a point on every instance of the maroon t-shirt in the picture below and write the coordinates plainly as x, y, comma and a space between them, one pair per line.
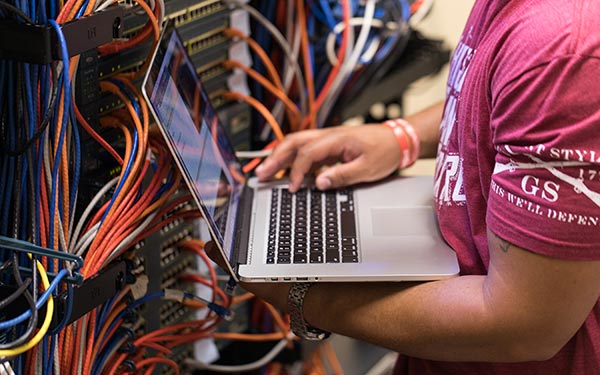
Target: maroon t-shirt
519, 152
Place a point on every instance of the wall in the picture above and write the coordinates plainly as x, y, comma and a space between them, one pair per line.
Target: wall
445, 22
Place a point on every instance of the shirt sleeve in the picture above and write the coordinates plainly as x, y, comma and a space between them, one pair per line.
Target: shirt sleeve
545, 190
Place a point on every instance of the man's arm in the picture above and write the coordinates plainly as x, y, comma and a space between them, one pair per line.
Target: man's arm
526, 308
427, 124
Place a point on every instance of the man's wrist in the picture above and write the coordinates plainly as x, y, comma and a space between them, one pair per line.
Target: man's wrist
408, 141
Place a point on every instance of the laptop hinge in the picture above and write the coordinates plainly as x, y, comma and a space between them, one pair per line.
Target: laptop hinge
242, 226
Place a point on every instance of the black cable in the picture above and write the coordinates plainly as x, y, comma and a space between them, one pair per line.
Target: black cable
5, 265
13, 9
16, 294
374, 72
50, 111
16, 211
33, 319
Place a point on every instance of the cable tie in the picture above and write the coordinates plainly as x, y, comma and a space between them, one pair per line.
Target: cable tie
174, 295
140, 287
131, 364
127, 347
127, 331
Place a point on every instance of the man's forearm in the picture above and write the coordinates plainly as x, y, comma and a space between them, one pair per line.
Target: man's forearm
444, 320
449, 320
427, 124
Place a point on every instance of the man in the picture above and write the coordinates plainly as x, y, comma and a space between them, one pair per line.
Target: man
517, 193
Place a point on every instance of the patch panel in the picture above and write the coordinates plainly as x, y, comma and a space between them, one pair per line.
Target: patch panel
211, 71
169, 251
204, 25
204, 58
170, 277
203, 42
199, 10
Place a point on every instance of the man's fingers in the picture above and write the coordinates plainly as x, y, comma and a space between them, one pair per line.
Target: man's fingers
312, 155
284, 154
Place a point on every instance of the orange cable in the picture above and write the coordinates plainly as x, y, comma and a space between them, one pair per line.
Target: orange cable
232, 95
141, 154
96, 136
340, 56
150, 27
308, 73
162, 360
92, 255
292, 111
260, 52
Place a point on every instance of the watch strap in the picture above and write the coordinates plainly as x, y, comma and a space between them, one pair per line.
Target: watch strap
296, 309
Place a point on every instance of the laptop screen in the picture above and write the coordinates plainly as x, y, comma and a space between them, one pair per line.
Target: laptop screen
195, 136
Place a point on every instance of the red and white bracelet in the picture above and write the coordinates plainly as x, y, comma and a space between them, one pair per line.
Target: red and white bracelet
407, 139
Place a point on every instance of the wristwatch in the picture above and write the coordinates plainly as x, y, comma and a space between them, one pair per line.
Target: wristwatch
295, 306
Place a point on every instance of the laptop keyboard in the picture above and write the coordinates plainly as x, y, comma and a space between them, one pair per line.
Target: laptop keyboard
312, 226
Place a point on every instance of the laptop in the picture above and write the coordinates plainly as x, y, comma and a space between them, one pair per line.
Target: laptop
384, 231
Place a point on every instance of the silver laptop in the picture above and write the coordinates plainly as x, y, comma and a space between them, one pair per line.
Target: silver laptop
384, 231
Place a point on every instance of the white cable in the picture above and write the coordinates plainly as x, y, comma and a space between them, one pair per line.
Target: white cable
241, 368
420, 14
38, 362
355, 21
86, 240
253, 154
88, 210
292, 30
126, 241
56, 359
6, 369
104, 5
82, 343
348, 65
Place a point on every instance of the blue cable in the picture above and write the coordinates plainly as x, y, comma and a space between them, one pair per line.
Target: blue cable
50, 344
9, 166
129, 95
125, 175
4, 164
67, 104
133, 305
326, 11
40, 302
77, 163
405, 10
103, 313
82, 9
99, 361
67, 314
52, 9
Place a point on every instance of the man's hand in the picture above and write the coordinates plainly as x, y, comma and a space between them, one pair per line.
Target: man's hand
364, 153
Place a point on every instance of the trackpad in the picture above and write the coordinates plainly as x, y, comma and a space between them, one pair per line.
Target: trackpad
403, 221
